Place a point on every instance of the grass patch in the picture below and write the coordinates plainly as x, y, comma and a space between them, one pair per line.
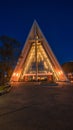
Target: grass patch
2, 87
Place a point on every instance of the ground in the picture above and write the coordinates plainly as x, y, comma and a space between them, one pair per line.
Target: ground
37, 107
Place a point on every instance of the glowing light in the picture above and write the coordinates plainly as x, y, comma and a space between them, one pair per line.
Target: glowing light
60, 72
14, 74
17, 74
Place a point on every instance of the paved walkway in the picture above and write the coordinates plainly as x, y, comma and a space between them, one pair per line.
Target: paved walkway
37, 107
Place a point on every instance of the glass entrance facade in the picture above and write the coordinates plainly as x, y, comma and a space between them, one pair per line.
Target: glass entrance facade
37, 66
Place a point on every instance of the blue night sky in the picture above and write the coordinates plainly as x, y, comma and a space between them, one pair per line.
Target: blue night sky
55, 18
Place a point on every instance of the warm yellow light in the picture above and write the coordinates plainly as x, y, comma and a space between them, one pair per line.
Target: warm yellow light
60, 72
17, 74
14, 74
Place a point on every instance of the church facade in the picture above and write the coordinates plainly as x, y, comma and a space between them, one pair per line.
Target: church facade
37, 61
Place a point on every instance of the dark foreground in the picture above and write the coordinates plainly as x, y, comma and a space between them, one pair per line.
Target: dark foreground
37, 107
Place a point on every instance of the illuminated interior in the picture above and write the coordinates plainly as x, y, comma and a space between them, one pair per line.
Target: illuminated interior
43, 68
37, 61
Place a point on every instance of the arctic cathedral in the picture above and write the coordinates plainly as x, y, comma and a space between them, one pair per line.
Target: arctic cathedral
37, 61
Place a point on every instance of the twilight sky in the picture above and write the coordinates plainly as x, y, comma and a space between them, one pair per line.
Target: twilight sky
55, 18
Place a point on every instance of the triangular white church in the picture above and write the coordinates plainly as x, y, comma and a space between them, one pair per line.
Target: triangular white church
37, 61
